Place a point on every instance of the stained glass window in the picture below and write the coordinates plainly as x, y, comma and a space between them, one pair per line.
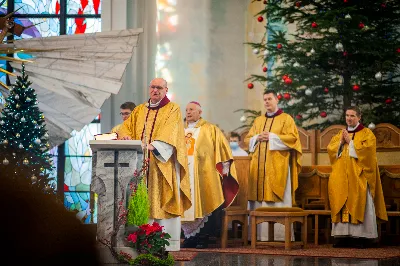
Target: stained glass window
78, 145
80, 202
83, 25
44, 27
78, 172
37, 6
83, 7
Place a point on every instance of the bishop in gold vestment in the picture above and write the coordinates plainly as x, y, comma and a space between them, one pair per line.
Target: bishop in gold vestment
212, 171
355, 190
276, 161
161, 125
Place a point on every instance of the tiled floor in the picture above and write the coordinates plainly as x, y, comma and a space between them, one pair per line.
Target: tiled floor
220, 259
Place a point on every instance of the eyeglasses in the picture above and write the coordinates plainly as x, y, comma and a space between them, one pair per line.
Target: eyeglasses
126, 113
156, 87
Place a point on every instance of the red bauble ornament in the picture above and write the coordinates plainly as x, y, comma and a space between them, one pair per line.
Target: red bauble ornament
260, 19
250, 85
265, 69
284, 77
388, 101
265, 2
323, 114
356, 87
345, 53
383, 5
326, 90
398, 50
288, 81
361, 25
286, 96
298, 117
314, 24
279, 46
298, 4
345, 1
279, 96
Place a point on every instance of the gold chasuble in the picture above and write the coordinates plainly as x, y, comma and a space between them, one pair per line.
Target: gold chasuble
269, 169
351, 177
116, 128
212, 188
163, 123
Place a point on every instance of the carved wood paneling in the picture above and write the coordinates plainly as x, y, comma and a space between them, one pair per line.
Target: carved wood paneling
242, 164
325, 136
387, 136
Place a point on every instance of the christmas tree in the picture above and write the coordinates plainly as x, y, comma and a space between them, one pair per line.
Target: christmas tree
340, 53
23, 138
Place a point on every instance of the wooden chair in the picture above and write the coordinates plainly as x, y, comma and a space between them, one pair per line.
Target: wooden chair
285, 216
313, 197
238, 212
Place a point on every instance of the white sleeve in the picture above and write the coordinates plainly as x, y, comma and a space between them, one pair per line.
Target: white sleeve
352, 150
253, 143
226, 167
275, 143
164, 150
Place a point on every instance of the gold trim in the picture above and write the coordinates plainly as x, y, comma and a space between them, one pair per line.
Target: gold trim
314, 172
4, 86
389, 174
7, 72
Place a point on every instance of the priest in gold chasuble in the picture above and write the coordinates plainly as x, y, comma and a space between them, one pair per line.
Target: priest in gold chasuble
275, 148
355, 190
213, 179
159, 123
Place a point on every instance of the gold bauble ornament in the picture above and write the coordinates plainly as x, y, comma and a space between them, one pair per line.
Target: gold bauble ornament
25, 161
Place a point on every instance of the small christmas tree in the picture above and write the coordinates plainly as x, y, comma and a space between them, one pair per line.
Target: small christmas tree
339, 53
24, 139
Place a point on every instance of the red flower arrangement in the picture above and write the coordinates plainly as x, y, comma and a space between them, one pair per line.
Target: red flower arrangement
150, 239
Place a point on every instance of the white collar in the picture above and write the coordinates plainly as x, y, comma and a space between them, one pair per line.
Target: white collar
152, 105
353, 128
193, 124
271, 114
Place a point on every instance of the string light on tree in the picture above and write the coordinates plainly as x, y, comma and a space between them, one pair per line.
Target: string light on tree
378, 76
23, 135
256, 51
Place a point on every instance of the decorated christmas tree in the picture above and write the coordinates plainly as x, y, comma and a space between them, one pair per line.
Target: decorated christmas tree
23, 138
322, 56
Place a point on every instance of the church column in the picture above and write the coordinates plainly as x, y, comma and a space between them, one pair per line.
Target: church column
129, 14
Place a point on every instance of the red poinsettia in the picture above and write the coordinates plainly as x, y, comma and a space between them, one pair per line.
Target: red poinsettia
150, 238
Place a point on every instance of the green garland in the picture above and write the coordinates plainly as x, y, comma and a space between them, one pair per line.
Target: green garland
148, 259
139, 206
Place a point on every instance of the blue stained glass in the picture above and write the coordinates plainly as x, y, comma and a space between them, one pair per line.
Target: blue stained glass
44, 27
2, 75
54, 158
37, 6
79, 202
78, 173
79, 143
2, 99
